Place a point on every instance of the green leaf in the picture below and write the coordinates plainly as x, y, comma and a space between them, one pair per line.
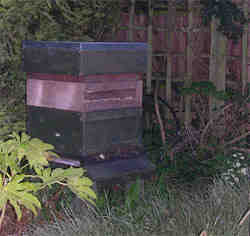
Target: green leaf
68, 173
188, 91
16, 208
34, 150
221, 95
45, 175
73, 178
20, 193
50, 176
38, 170
18, 178
49, 4
81, 187
5, 2
3, 199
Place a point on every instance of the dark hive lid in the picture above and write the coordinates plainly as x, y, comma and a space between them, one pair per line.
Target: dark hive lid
84, 58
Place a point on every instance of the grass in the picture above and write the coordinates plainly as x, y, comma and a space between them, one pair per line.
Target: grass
176, 211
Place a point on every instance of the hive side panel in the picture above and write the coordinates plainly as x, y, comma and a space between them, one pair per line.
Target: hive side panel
63, 129
51, 61
112, 95
107, 129
103, 62
55, 94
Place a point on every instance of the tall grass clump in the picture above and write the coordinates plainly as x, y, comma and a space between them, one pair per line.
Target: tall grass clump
178, 211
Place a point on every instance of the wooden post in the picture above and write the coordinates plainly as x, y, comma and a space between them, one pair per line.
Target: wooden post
217, 65
220, 81
171, 17
245, 51
189, 56
212, 60
150, 47
131, 21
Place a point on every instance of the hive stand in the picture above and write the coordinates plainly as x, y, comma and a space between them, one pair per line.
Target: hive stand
121, 171
117, 171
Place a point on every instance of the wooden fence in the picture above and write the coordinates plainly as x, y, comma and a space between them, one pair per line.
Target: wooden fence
181, 49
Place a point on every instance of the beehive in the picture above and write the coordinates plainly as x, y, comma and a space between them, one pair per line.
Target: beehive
84, 98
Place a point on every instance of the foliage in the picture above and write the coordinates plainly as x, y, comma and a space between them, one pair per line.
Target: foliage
12, 115
205, 88
187, 168
24, 170
207, 147
70, 20
231, 17
214, 141
133, 194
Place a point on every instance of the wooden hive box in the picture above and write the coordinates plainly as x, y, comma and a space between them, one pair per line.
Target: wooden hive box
85, 98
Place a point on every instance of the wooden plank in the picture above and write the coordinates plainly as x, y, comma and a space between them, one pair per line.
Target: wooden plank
174, 78
162, 29
131, 21
221, 65
203, 55
245, 51
150, 48
163, 54
171, 18
189, 51
217, 65
212, 61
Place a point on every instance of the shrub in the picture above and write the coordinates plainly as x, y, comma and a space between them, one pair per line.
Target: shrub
24, 170
207, 146
48, 20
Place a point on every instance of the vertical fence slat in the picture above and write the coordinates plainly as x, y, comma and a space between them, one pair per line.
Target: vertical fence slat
212, 60
171, 17
217, 64
245, 50
189, 59
131, 21
150, 47
220, 81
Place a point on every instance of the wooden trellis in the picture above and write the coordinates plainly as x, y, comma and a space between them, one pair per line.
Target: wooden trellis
169, 53
218, 50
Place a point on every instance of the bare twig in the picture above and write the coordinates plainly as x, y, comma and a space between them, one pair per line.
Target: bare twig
158, 115
203, 233
199, 111
245, 150
210, 122
237, 139
244, 217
